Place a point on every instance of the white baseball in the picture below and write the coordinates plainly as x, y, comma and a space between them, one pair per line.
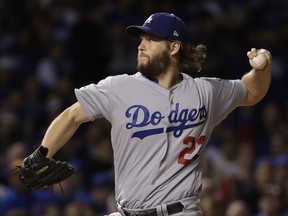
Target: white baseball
258, 62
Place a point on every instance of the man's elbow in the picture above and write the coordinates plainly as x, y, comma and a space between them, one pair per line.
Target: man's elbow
252, 99
76, 114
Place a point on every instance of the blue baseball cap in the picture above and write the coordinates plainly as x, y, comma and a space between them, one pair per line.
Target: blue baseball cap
163, 25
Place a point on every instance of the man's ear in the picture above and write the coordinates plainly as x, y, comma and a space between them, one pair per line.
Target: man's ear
175, 47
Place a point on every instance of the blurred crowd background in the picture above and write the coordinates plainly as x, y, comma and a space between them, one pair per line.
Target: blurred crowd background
50, 47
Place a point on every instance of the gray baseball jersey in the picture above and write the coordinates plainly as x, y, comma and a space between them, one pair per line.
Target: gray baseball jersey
158, 135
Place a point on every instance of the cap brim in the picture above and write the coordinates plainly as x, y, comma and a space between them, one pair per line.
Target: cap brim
135, 31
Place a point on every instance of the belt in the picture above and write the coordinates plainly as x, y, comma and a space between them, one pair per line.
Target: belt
171, 209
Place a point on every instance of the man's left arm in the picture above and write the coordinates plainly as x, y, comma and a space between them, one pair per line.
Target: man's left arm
257, 81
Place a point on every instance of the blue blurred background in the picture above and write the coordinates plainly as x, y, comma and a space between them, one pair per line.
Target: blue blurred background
50, 47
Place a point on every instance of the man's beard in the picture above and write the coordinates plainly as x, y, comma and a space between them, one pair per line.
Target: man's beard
156, 65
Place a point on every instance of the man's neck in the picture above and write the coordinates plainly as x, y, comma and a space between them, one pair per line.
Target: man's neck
169, 79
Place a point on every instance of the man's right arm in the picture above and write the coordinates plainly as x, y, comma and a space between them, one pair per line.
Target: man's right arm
63, 128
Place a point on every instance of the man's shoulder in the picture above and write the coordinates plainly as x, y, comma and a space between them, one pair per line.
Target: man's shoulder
203, 82
208, 80
125, 76
199, 80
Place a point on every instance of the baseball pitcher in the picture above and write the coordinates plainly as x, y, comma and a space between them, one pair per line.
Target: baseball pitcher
161, 121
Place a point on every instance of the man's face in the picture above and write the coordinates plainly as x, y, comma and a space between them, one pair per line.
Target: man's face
153, 56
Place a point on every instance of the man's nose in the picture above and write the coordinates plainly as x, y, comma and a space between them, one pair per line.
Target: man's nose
141, 46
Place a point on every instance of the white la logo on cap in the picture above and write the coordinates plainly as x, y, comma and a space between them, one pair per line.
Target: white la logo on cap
175, 33
149, 19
